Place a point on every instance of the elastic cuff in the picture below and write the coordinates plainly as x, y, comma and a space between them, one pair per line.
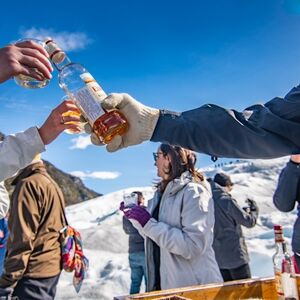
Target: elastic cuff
148, 121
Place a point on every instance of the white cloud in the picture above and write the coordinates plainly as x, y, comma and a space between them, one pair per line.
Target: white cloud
68, 41
104, 175
81, 142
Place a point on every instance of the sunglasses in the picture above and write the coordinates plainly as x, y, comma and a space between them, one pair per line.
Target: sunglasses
155, 155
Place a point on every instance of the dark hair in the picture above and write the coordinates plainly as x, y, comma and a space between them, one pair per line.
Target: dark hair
181, 160
140, 194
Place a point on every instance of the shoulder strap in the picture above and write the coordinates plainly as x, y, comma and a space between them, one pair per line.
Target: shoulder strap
59, 196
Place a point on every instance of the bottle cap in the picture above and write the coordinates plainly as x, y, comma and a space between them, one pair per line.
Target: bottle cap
278, 233
55, 53
277, 227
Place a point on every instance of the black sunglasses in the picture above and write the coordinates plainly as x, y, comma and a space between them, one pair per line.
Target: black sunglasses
155, 155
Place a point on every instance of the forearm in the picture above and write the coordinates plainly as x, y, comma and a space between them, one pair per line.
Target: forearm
17, 151
225, 133
260, 131
286, 193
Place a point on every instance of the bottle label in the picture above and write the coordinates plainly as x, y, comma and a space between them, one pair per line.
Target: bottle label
89, 98
278, 283
289, 286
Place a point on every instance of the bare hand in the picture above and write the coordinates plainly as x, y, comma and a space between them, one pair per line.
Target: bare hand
23, 58
295, 158
56, 123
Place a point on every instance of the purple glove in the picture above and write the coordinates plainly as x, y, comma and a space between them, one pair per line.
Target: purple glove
122, 206
139, 214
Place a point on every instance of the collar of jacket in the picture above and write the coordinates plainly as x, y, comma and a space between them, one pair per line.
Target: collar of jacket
179, 183
37, 167
219, 189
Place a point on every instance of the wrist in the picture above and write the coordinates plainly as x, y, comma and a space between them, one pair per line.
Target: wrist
149, 118
294, 162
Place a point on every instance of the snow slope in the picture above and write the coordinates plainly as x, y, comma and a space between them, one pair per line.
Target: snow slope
105, 244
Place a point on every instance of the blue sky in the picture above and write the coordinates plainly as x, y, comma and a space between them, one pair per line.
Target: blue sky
168, 54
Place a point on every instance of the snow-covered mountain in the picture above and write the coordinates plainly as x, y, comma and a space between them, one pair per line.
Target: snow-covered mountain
105, 243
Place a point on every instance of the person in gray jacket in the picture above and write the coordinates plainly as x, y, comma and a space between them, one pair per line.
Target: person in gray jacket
229, 243
177, 224
260, 131
136, 249
287, 195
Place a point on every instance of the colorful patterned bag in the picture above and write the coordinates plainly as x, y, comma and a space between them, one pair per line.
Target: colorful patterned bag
73, 258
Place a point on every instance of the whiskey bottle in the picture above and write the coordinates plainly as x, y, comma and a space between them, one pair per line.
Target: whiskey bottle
285, 279
87, 94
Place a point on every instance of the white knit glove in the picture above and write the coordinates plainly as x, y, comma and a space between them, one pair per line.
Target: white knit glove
142, 121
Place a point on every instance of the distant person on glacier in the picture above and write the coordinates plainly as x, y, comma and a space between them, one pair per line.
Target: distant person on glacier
229, 243
287, 196
136, 248
33, 261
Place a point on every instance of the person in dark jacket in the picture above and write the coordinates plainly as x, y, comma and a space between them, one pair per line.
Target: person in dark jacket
33, 261
260, 131
287, 195
229, 243
136, 249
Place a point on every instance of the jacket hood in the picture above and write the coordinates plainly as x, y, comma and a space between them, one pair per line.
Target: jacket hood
218, 190
178, 184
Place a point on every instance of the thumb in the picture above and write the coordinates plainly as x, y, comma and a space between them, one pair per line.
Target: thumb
112, 101
115, 144
95, 140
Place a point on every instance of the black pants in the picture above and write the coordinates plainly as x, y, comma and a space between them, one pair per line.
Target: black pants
36, 288
241, 272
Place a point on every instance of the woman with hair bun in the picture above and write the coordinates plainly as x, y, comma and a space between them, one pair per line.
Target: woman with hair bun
177, 224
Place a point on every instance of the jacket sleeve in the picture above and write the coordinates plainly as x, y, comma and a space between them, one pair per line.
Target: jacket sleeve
287, 191
260, 131
238, 214
4, 201
18, 150
126, 225
197, 226
23, 222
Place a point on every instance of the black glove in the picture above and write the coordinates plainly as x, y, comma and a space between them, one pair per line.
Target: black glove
6, 294
252, 205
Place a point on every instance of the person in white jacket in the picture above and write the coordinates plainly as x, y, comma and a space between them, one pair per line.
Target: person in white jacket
177, 224
4, 201
18, 150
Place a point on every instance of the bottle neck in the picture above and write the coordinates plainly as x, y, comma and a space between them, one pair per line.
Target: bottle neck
57, 56
281, 247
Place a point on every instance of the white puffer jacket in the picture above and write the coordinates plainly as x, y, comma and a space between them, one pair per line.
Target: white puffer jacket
184, 234
18, 150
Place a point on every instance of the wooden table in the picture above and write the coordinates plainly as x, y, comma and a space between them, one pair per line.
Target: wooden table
261, 288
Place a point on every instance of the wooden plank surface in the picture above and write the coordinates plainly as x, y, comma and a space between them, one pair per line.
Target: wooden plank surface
262, 288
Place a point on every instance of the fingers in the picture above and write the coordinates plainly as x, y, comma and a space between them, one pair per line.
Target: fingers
122, 206
38, 62
116, 101
87, 128
24, 70
95, 140
66, 106
115, 144
32, 45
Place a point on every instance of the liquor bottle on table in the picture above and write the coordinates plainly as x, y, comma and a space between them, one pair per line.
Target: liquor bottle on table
285, 278
87, 94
